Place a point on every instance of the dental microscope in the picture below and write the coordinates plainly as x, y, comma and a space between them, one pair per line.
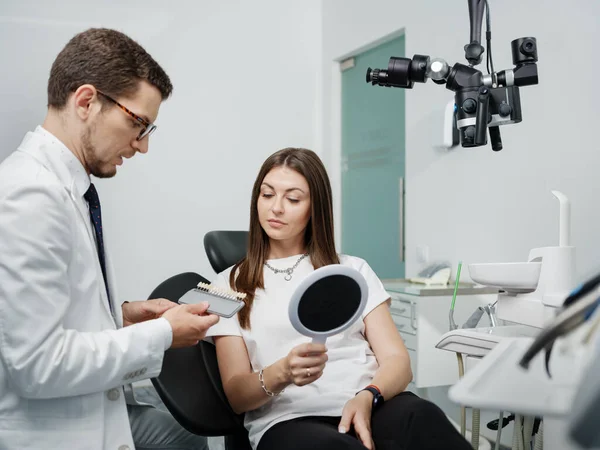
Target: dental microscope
483, 102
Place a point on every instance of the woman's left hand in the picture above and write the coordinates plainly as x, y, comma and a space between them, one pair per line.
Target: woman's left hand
357, 412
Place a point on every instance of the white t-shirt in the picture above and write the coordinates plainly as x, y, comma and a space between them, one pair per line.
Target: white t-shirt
351, 364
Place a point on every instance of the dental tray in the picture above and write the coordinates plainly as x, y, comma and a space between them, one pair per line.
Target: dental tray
498, 383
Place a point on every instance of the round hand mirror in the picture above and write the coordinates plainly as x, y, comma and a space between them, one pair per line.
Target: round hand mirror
328, 301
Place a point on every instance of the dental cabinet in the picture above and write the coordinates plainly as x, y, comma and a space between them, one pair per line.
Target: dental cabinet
421, 316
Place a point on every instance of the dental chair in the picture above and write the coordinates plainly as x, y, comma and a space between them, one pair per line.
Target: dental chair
225, 248
189, 383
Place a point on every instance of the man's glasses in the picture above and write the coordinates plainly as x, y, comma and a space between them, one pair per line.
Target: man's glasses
147, 127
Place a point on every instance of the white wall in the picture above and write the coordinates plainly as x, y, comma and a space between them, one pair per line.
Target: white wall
246, 78
474, 204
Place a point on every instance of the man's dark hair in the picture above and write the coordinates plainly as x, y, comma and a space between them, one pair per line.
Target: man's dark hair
108, 59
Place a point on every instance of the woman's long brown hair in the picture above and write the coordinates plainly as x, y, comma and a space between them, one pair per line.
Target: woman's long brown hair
247, 275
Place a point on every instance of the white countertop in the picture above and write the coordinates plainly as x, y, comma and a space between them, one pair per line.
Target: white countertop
402, 286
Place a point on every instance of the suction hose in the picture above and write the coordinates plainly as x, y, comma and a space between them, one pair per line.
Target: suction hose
463, 411
475, 429
527, 431
539, 439
499, 432
517, 442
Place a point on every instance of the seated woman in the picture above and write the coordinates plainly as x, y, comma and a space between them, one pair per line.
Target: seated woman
300, 395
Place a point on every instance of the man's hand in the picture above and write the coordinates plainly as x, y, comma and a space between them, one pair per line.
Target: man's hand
357, 412
136, 312
189, 323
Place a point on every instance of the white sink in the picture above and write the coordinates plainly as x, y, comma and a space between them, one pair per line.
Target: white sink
511, 277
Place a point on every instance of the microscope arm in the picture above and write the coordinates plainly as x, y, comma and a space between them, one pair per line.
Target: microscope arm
474, 50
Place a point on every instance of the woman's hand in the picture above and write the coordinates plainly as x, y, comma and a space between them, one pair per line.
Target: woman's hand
305, 363
357, 412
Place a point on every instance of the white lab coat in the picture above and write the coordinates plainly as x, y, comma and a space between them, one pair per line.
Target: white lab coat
63, 358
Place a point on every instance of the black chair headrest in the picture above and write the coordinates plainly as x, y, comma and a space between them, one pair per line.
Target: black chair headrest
225, 248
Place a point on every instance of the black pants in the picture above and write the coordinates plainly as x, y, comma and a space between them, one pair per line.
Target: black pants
406, 422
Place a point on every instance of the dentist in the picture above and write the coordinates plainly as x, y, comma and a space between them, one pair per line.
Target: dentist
68, 345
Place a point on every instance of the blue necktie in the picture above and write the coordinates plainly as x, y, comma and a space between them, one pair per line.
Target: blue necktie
94, 205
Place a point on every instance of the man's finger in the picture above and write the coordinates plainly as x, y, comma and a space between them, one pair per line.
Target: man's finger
208, 321
197, 308
166, 304
159, 306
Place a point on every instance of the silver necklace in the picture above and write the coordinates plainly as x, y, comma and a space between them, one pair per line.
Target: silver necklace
289, 270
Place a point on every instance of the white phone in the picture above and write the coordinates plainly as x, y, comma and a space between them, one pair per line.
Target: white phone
222, 302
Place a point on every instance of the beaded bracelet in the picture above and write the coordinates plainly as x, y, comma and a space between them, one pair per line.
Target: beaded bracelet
262, 384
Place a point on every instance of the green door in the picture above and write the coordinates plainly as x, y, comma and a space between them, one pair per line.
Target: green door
373, 155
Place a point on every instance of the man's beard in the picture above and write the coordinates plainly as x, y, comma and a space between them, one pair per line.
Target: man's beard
94, 165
